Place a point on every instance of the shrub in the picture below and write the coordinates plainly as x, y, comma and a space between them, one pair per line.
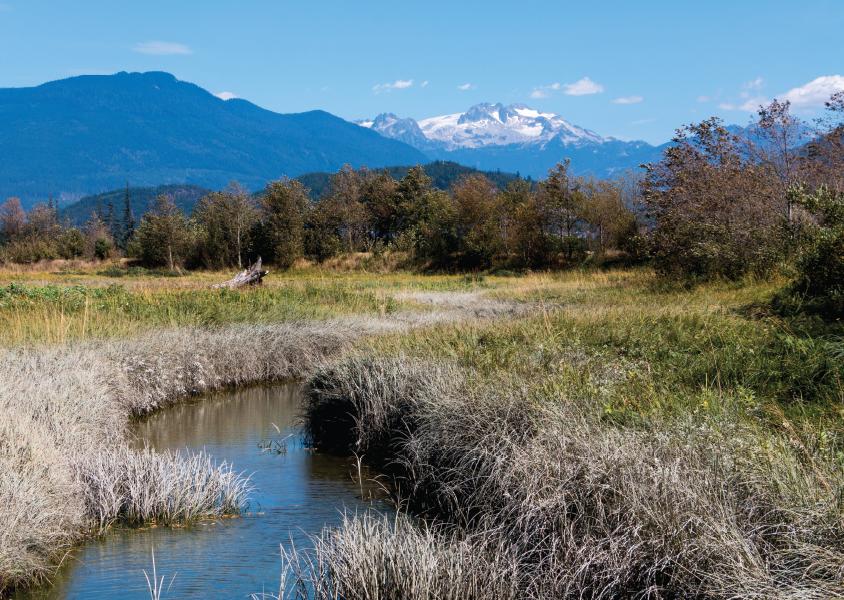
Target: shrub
821, 261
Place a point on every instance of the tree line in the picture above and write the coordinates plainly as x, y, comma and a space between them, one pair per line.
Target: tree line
554, 223
717, 205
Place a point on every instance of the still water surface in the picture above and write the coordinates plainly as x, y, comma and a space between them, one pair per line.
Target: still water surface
296, 494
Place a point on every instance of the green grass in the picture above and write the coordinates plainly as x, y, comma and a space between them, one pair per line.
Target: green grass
61, 306
644, 352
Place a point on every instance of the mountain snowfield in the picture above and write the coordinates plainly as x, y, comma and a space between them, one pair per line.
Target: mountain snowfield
515, 137
486, 125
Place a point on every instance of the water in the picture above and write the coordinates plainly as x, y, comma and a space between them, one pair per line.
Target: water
296, 494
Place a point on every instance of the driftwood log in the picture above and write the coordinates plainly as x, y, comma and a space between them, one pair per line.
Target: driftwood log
252, 275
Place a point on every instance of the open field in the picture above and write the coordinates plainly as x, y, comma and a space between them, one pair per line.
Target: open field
595, 433
63, 302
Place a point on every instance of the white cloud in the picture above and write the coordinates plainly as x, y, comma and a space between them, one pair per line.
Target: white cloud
809, 96
466, 87
754, 84
424, 84
583, 87
543, 91
398, 84
814, 93
159, 48
749, 97
704, 99
750, 104
225, 95
628, 100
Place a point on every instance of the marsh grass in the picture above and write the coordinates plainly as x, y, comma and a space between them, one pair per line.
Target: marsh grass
371, 557
66, 470
629, 440
134, 487
692, 507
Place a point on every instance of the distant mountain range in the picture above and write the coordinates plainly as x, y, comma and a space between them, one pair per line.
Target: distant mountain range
86, 135
443, 175
94, 133
514, 138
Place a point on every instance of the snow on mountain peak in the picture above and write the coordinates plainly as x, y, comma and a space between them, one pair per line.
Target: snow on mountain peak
484, 125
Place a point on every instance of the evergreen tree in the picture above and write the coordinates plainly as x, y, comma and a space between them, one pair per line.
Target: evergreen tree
128, 220
110, 221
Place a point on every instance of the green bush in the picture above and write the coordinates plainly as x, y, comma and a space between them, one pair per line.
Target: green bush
820, 265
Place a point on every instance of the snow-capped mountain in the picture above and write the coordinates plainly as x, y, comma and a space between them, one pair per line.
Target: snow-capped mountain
406, 130
515, 138
483, 125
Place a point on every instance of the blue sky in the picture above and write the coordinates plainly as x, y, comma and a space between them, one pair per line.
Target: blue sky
635, 70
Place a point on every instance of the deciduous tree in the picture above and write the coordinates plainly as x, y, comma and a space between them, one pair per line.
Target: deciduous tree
283, 208
163, 236
12, 219
715, 210
225, 221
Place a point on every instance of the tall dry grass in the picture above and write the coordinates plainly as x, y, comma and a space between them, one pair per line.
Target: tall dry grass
65, 467
66, 470
691, 508
371, 557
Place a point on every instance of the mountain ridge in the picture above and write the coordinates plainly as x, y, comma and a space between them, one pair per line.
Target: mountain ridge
93, 133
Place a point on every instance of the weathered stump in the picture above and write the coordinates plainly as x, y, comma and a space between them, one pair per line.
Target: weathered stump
252, 275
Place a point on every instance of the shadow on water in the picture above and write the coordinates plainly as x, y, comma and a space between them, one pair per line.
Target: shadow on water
297, 493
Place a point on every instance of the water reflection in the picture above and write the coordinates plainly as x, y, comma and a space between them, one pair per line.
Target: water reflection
296, 493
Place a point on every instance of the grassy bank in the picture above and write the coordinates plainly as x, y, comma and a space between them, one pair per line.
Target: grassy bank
627, 441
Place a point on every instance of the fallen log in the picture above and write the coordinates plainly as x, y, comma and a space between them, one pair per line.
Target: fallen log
250, 276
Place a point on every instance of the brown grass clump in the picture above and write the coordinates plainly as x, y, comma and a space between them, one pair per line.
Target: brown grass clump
692, 508
371, 557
